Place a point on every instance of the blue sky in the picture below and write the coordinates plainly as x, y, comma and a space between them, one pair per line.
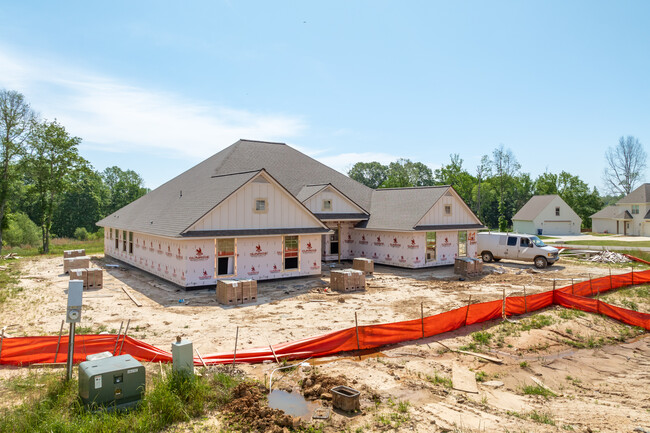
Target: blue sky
158, 86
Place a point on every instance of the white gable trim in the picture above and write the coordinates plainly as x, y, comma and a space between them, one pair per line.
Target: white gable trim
340, 194
455, 194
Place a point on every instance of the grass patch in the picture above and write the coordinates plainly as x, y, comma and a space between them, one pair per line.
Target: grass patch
57, 246
481, 376
569, 314
542, 417
538, 390
440, 380
168, 400
9, 280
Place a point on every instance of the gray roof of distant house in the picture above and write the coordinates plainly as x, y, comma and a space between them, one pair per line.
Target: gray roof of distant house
639, 195
612, 212
533, 207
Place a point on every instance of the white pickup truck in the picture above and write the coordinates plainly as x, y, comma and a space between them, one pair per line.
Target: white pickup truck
514, 246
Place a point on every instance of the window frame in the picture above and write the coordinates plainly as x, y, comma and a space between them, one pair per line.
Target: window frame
464, 254
218, 254
557, 210
124, 241
635, 209
326, 208
130, 242
447, 207
261, 200
284, 253
427, 249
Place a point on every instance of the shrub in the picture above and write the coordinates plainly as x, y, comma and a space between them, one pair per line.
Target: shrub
21, 231
81, 233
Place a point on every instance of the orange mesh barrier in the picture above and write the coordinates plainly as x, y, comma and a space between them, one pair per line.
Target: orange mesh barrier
30, 350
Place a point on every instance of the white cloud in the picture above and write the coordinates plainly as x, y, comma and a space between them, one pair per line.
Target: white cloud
114, 116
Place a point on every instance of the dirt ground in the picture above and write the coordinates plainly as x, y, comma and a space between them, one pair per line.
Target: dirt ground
598, 370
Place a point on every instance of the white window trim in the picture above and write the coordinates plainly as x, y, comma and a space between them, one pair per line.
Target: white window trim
325, 208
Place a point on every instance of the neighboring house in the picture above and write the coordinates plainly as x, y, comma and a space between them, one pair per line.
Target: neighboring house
629, 216
264, 210
548, 215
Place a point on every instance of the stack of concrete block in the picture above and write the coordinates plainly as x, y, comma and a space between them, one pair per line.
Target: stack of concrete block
93, 278
478, 266
68, 254
234, 292
364, 265
80, 262
347, 280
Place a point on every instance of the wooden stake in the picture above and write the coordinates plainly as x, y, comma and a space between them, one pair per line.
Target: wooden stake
610, 280
554, 284
571, 286
234, 356
632, 274
422, 316
126, 330
503, 305
272, 350
591, 287
117, 340
356, 326
525, 302
469, 302
58, 343
2, 337
200, 357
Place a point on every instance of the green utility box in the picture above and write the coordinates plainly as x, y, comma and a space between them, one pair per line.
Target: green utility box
116, 382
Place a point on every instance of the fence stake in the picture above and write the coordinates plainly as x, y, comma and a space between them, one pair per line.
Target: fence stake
422, 316
554, 284
632, 274
525, 302
356, 327
117, 340
234, 356
598, 301
2, 337
58, 343
469, 302
572, 287
503, 305
124, 336
610, 279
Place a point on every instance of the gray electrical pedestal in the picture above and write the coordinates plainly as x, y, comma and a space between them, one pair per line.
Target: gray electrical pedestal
183, 356
115, 382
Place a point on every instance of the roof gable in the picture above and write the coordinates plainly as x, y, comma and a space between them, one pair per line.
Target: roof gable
461, 214
237, 211
341, 204
639, 195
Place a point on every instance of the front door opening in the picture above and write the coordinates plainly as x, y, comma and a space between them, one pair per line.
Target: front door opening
334, 242
225, 257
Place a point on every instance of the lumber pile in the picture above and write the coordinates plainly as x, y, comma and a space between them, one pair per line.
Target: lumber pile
608, 257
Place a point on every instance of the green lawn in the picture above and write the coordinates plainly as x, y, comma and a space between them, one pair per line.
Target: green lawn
611, 243
57, 246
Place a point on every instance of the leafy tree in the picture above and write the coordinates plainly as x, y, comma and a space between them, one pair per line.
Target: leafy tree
20, 230
124, 187
82, 205
626, 164
405, 173
15, 122
505, 166
483, 170
371, 174
53, 159
455, 175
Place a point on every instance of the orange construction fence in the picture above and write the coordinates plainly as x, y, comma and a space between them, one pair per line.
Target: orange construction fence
30, 350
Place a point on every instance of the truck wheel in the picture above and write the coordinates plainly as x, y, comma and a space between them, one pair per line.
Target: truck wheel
540, 262
487, 256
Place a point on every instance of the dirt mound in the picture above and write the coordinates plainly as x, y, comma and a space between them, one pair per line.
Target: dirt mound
248, 412
319, 385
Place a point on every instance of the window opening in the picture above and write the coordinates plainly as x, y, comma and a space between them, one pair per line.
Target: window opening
290, 253
226, 256
557, 211
334, 242
462, 243
260, 205
447, 209
431, 247
123, 240
130, 242
327, 204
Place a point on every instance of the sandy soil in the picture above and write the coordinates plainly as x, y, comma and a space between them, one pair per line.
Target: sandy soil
602, 387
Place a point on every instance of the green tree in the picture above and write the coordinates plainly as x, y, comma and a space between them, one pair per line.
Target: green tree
53, 159
15, 123
483, 171
371, 174
455, 175
124, 187
505, 167
405, 173
82, 205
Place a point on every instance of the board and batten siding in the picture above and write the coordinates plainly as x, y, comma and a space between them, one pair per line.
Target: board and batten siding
340, 204
546, 217
238, 210
460, 214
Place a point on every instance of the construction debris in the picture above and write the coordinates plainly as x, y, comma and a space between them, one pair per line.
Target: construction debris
608, 257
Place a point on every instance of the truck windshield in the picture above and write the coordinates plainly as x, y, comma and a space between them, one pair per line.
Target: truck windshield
537, 241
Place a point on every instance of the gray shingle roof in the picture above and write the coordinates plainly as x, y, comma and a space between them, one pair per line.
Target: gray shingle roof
401, 208
612, 212
533, 207
639, 195
308, 191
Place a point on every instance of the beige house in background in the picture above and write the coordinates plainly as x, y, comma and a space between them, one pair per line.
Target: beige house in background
547, 215
629, 216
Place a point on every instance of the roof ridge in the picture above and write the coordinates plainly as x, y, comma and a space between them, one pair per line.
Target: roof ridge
236, 173
413, 187
262, 141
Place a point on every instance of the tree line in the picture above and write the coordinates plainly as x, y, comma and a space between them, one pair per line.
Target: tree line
47, 188
497, 188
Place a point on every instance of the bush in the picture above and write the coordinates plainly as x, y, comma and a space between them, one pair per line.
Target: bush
99, 234
81, 233
20, 231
